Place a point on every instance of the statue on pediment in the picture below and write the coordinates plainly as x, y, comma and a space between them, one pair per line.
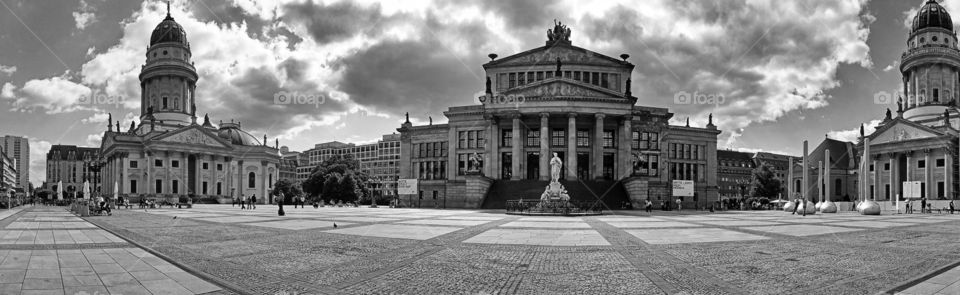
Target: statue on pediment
560, 32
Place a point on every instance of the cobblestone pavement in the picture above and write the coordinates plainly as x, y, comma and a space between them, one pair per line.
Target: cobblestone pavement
428, 251
47, 250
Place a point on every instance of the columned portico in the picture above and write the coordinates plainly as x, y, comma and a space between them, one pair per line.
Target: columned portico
515, 173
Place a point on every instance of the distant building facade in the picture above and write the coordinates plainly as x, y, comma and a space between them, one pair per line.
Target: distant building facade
735, 173
379, 160
71, 165
18, 149
8, 174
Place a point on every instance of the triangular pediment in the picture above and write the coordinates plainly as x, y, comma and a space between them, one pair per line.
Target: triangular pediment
902, 130
568, 54
193, 135
561, 87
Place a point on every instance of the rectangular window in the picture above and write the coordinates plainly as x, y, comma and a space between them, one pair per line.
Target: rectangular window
886, 166
472, 139
608, 139
506, 138
461, 164
654, 165
133, 164
219, 191
549, 75
557, 137
175, 186
480, 142
595, 78
673, 150
219, 168
654, 140
203, 188
133, 186
463, 140
635, 140
922, 164
576, 75
175, 164
443, 149
521, 79
566, 74
158, 163
871, 167
159, 186
513, 80
941, 162
583, 138
603, 81
530, 77
539, 76
533, 138
206, 166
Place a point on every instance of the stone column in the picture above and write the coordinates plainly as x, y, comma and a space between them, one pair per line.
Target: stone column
626, 159
948, 174
909, 159
515, 169
893, 182
926, 175
495, 152
790, 187
876, 180
545, 146
826, 175
571, 146
598, 147
803, 174
489, 148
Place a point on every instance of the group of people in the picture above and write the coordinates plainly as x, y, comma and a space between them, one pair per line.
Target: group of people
925, 207
665, 206
245, 201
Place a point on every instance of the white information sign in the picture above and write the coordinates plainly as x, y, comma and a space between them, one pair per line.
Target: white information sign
407, 187
683, 188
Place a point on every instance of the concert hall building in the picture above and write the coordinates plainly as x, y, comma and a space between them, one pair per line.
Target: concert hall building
563, 99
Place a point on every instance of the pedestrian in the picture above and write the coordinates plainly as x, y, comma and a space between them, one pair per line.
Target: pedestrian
907, 210
649, 206
804, 210
242, 204
951, 207
280, 204
679, 205
253, 202
923, 205
796, 205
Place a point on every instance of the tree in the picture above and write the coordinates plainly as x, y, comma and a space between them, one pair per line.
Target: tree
342, 165
288, 188
765, 183
331, 186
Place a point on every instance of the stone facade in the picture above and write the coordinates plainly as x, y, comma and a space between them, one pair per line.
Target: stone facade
560, 99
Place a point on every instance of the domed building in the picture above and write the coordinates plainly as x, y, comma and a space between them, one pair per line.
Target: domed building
169, 154
918, 142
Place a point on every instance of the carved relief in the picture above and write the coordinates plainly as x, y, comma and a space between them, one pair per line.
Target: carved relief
192, 136
561, 89
566, 56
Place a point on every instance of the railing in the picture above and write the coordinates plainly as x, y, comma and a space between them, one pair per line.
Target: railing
554, 207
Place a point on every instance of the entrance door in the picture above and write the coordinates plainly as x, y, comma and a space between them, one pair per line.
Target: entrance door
533, 165
608, 166
583, 165
901, 174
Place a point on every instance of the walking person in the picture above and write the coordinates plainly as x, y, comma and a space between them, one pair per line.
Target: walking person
649, 206
679, 205
242, 204
951, 207
796, 205
923, 205
253, 202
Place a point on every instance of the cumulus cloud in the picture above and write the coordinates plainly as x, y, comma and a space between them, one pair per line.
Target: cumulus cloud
96, 118
853, 135
54, 95
84, 15
8, 70
93, 140
7, 92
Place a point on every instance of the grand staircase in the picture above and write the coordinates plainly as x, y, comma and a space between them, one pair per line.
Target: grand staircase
611, 193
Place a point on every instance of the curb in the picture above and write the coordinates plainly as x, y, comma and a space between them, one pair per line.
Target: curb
189, 269
920, 278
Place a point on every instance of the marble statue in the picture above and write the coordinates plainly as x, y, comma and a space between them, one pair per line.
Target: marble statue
555, 166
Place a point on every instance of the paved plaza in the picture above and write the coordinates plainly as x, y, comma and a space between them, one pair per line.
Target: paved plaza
421, 251
50, 251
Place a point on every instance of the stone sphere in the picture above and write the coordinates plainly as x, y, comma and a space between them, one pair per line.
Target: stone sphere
869, 207
828, 207
788, 207
810, 207
818, 205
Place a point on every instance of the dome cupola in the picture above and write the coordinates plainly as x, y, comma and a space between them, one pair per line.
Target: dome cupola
932, 15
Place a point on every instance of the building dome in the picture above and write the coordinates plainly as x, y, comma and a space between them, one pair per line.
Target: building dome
232, 132
932, 15
168, 31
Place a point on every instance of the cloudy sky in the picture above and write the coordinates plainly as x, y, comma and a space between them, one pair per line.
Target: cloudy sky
788, 70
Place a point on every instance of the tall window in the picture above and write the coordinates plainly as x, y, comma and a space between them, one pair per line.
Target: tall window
203, 188
472, 139
133, 186
557, 137
158, 188
520, 79
533, 138
506, 138
462, 164
219, 187
251, 180
175, 186
583, 138
608, 138
513, 80
164, 102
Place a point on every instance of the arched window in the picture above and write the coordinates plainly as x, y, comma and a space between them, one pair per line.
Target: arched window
252, 180
936, 95
164, 106
269, 180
